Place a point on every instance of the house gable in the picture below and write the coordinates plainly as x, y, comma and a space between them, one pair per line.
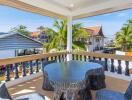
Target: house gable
95, 31
17, 41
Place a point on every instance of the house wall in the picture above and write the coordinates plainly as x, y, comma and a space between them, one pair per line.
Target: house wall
95, 43
7, 54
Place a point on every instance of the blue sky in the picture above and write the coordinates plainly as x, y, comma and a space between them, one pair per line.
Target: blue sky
11, 17
111, 23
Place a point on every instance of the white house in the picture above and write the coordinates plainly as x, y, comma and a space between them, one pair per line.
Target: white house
95, 41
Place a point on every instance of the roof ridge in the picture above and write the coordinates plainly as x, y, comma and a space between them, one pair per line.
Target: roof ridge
12, 33
96, 29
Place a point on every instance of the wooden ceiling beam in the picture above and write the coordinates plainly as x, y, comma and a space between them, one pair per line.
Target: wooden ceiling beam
29, 8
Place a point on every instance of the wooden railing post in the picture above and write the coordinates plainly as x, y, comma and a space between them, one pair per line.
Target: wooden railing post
100, 59
52, 58
55, 58
127, 68
31, 68
73, 57
94, 58
37, 65
16, 71
59, 57
76, 56
89, 57
119, 67
106, 66
85, 58
23, 69
80, 57
7, 73
112, 65
63, 57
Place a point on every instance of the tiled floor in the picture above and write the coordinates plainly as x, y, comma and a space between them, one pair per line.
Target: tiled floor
35, 85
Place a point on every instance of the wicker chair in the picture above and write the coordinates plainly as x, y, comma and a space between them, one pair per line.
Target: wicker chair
113, 95
46, 84
4, 95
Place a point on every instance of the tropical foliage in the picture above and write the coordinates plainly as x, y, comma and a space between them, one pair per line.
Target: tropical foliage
124, 37
20, 29
58, 35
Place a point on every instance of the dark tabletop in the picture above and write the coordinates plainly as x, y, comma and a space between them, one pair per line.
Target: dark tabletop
70, 71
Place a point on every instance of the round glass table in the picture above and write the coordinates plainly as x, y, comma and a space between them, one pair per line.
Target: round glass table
70, 79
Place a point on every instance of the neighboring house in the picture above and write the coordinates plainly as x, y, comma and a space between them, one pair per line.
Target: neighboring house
39, 36
13, 43
95, 41
109, 42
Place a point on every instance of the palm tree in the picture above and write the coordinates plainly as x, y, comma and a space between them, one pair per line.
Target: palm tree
124, 38
58, 35
130, 22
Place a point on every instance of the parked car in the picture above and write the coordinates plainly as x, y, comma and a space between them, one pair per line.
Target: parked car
108, 50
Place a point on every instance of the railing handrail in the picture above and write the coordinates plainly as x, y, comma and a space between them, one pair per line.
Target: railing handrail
29, 58
103, 55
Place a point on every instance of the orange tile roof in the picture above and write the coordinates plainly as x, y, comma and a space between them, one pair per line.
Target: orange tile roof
94, 30
35, 34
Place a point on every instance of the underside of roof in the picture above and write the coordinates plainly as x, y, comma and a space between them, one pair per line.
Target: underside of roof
12, 41
63, 8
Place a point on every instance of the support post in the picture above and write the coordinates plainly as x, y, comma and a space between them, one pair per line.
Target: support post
69, 37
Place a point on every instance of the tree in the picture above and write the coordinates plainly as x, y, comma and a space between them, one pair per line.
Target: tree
58, 35
124, 37
129, 22
41, 28
20, 29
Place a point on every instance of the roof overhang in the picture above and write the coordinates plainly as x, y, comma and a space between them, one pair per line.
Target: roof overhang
63, 8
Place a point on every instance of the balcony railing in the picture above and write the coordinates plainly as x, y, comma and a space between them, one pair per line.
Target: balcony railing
27, 65
31, 64
108, 59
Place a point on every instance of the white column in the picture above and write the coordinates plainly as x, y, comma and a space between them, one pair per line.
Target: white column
69, 36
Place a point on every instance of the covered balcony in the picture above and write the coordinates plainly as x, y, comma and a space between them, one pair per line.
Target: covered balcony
27, 75
30, 79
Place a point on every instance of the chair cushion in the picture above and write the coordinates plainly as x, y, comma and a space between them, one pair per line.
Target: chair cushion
109, 95
4, 94
128, 93
32, 96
